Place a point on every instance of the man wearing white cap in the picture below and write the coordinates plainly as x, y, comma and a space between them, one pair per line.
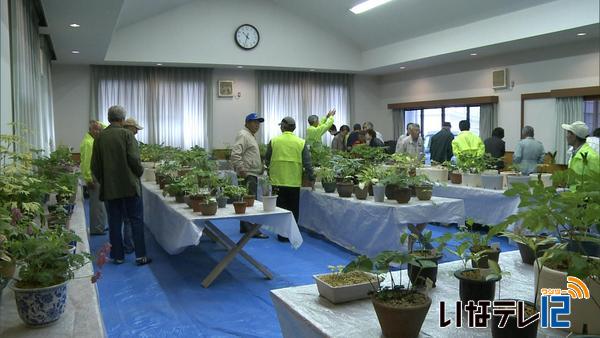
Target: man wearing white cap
584, 159
132, 125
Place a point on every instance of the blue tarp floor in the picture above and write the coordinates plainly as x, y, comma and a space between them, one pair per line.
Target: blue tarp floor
166, 299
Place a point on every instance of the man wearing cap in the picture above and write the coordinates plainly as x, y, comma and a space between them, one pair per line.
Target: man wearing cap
128, 245
286, 156
440, 145
132, 125
315, 130
245, 159
97, 211
584, 159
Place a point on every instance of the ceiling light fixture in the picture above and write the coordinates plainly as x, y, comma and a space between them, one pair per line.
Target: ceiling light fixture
240, 67
74, 25
473, 54
159, 64
74, 52
367, 5
581, 34
402, 67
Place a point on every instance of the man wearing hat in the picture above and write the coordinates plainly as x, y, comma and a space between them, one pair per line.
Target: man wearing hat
316, 129
245, 158
584, 159
286, 156
131, 125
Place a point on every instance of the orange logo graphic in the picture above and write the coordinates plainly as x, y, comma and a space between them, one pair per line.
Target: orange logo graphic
576, 288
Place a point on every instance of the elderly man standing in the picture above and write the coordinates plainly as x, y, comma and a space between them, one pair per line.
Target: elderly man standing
529, 152
316, 129
132, 125
97, 211
245, 159
286, 156
411, 144
117, 166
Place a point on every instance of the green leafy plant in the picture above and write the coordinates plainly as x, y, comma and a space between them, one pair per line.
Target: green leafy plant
346, 168
373, 155
372, 175
399, 178
327, 174
320, 155
235, 192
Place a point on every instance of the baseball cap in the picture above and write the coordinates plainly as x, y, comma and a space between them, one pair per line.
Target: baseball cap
580, 129
254, 117
288, 120
131, 122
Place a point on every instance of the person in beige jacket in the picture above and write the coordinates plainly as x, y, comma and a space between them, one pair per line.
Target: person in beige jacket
246, 161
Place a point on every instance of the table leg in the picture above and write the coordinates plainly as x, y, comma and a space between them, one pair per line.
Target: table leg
234, 249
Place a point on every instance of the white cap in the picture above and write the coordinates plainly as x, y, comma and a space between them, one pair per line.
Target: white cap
580, 129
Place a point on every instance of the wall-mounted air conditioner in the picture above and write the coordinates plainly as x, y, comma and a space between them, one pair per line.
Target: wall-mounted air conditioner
500, 79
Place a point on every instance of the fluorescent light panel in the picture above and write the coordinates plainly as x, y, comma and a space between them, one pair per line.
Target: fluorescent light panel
367, 5
74, 25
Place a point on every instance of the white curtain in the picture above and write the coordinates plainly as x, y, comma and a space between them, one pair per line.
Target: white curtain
32, 90
568, 110
300, 95
488, 120
172, 104
398, 120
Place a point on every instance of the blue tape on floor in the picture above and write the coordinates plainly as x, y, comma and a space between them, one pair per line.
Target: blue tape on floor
166, 299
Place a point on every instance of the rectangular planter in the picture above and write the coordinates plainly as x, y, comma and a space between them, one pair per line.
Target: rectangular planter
342, 294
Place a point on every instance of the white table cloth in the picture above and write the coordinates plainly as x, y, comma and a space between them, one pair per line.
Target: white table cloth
367, 227
175, 226
484, 206
303, 313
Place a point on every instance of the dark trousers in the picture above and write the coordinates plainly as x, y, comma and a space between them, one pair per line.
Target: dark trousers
118, 210
252, 185
289, 198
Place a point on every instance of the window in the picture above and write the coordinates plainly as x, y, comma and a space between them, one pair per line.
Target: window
591, 115
454, 115
431, 119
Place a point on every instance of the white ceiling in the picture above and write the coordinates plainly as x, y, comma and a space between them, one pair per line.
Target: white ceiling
399, 19
137, 10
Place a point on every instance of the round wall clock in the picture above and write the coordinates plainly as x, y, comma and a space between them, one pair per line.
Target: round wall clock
246, 36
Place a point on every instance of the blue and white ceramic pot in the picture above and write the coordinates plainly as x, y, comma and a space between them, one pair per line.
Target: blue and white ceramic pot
43, 306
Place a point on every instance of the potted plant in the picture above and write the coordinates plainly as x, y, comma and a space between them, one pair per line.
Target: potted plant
197, 196
165, 171
269, 199
400, 310
471, 165
490, 178
531, 246
423, 187
396, 186
346, 170
327, 176
480, 244
208, 207
454, 174
237, 193
178, 188
417, 273
340, 287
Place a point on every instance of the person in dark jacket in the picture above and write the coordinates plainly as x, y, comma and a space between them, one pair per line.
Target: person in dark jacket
440, 145
495, 146
372, 139
116, 165
353, 136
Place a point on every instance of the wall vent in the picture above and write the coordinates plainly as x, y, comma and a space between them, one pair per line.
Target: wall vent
500, 79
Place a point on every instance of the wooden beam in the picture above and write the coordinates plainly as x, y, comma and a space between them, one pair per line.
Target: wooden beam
533, 96
582, 91
467, 101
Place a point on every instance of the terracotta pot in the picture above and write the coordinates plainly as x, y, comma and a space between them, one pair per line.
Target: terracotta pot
424, 193
195, 202
475, 290
249, 199
456, 178
403, 195
329, 187
511, 330
361, 194
208, 208
240, 207
7, 269
345, 189
483, 261
403, 322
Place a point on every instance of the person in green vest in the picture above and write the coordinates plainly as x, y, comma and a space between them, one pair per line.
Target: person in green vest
467, 142
97, 211
316, 129
584, 162
286, 156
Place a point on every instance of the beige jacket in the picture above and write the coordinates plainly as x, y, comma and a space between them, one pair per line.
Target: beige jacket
245, 154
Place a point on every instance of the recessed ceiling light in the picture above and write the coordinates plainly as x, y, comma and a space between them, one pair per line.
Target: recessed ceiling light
312, 70
74, 52
402, 67
74, 25
581, 34
473, 54
367, 5
159, 64
240, 67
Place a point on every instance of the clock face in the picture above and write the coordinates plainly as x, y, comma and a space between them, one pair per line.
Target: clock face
246, 36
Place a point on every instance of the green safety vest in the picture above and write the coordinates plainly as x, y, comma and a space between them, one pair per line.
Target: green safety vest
467, 142
315, 134
286, 160
591, 169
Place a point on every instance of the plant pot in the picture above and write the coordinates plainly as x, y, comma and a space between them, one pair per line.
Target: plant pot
41, 307
456, 178
361, 194
329, 187
222, 202
391, 190
475, 290
403, 195
493, 182
402, 322
511, 330
434, 174
583, 311
512, 179
418, 275
424, 193
240, 207
7, 269
471, 180
483, 261
345, 293
379, 193
413, 191
527, 254
149, 175
249, 199
586, 247
194, 203
345, 189
370, 188
180, 198
269, 203
183, 171
208, 208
